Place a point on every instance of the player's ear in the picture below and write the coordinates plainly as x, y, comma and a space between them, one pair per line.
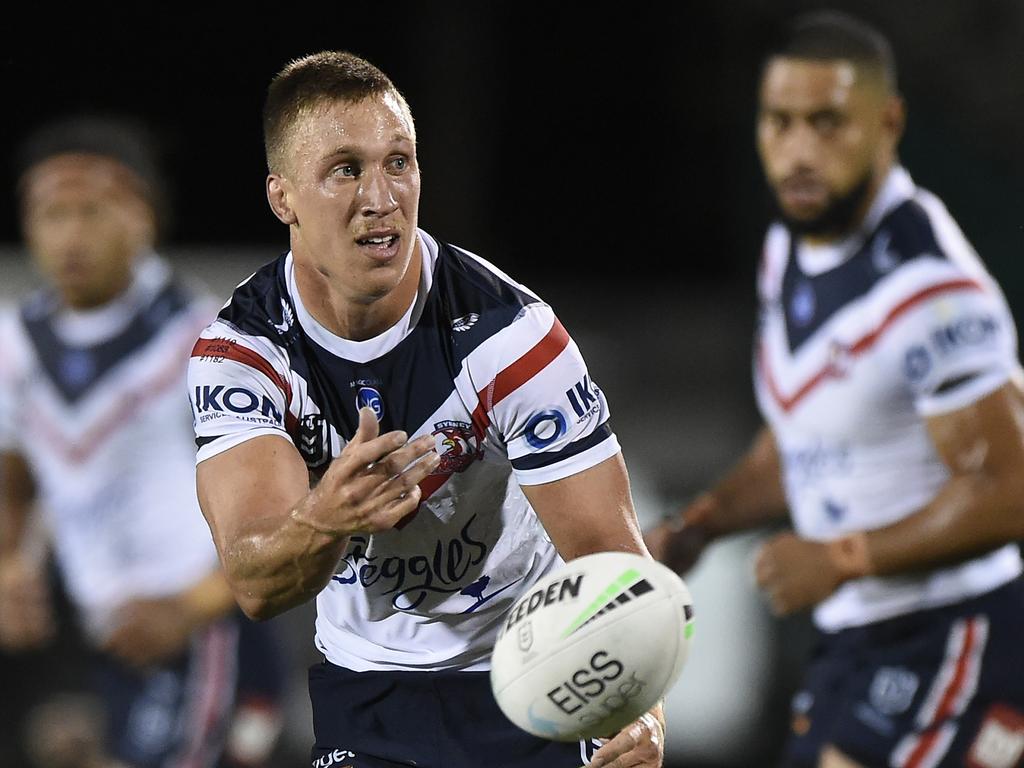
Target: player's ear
277, 196
894, 117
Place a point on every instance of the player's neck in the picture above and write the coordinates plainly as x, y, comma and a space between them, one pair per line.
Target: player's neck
351, 316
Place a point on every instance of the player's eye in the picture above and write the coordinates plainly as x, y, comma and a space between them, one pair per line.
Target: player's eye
826, 123
776, 121
345, 170
398, 163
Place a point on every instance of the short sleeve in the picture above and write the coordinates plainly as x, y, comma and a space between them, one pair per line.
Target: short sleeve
550, 414
238, 390
955, 348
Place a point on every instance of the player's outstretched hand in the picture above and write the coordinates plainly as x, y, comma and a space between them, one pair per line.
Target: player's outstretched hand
679, 543
26, 611
640, 744
373, 484
795, 573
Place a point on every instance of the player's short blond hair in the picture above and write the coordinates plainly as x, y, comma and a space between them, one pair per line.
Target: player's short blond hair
309, 82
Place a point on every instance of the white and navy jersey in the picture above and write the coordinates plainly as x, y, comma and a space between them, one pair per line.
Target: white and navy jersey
858, 344
94, 401
478, 362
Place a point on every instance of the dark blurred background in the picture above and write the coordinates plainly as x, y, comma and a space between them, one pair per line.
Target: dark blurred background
604, 157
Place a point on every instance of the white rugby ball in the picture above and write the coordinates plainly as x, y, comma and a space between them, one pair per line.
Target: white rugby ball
592, 646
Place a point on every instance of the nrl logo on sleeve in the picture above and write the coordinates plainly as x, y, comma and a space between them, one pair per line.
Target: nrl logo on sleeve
457, 445
314, 440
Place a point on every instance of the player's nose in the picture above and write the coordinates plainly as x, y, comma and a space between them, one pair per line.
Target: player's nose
375, 194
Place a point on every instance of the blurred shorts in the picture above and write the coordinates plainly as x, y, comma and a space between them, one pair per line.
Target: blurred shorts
932, 689
426, 719
175, 714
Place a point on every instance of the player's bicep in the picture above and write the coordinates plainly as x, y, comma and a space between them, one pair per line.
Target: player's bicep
248, 486
985, 437
590, 511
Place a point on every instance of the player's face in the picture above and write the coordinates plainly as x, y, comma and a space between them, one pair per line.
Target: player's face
351, 187
825, 134
84, 223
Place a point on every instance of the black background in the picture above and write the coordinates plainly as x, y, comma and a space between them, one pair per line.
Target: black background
605, 147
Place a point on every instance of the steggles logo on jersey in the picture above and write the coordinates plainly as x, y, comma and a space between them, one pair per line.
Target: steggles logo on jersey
409, 580
457, 445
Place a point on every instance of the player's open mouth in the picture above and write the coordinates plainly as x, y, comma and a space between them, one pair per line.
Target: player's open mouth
380, 246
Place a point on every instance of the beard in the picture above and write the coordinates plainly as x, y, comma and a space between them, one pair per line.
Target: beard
838, 216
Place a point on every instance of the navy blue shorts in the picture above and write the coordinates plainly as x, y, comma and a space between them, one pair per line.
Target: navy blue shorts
933, 689
175, 714
427, 719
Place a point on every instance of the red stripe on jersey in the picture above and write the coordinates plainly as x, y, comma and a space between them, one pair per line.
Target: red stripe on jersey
228, 349
518, 373
79, 450
860, 346
511, 378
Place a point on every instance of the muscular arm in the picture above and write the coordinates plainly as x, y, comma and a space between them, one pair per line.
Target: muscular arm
751, 494
279, 541
26, 617
17, 491
590, 512
980, 508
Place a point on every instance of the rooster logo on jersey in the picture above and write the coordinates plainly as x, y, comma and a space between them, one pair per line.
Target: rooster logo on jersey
457, 445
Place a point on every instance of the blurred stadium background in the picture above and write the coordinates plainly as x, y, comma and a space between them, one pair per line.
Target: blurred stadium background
603, 157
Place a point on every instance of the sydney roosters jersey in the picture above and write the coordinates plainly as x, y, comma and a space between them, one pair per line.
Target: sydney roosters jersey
478, 362
858, 344
93, 401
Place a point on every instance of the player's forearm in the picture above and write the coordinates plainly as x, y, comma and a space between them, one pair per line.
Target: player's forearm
272, 568
972, 514
751, 493
16, 494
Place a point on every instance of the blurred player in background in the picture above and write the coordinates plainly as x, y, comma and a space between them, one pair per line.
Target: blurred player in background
458, 447
887, 373
94, 433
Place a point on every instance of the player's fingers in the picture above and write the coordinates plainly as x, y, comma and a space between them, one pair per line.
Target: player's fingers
615, 753
396, 511
398, 460
763, 567
363, 456
368, 428
409, 478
